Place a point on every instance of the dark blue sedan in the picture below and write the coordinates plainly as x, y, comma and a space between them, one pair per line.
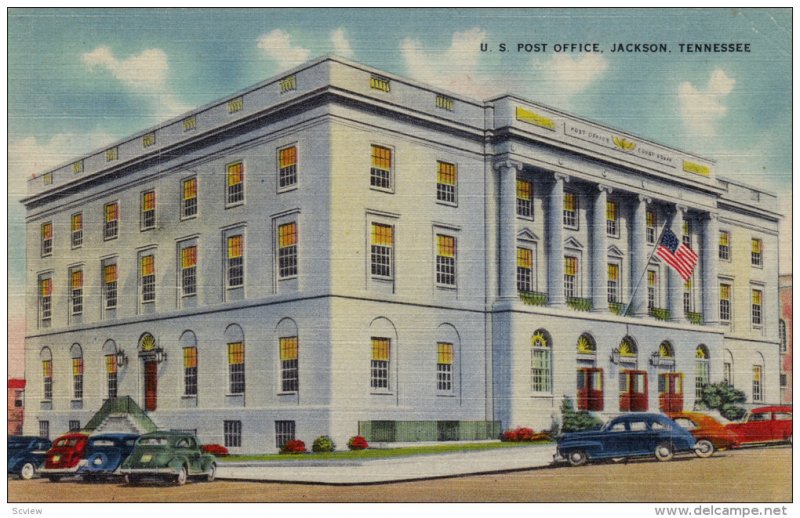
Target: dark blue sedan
26, 455
105, 453
629, 435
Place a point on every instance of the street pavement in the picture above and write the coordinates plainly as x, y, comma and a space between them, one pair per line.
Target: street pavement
394, 469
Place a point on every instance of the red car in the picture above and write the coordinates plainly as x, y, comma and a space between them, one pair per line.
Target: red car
710, 434
64, 457
764, 425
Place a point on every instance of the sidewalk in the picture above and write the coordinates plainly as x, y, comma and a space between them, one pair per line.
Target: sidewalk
391, 469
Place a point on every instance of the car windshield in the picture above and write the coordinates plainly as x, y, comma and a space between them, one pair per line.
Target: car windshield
66, 443
99, 443
153, 441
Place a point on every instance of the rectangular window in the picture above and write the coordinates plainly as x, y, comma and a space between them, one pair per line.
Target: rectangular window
189, 270
757, 383
233, 434
287, 250
111, 221
687, 233
612, 217
688, 300
111, 375
74, 425
444, 367
445, 260
725, 302
77, 167
45, 299
290, 379
76, 291
112, 154
76, 226
524, 198
148, 278
727, 373
381, 248
379, 366
570, 210
756, 307
190, 371
47, 378
724, 245
189, 123
613, 283
235, 259
446, 181
47, 239
149, 140
235, 183
44, 429
284, 432
47, 178
236, 105
444, 103
524, 269
379, 83
236, 367
77, 378
189, 198
756, 258
148, 210
570, 277
380, 174
650, 216
287, 167
287, 84
652, 286
110, 285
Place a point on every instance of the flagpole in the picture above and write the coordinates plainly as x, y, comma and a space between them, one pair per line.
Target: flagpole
644, 272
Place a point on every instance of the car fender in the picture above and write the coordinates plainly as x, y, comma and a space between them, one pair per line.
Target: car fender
591, 447
175, 463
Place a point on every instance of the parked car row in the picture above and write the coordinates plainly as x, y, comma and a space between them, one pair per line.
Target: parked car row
169, 456
643, 434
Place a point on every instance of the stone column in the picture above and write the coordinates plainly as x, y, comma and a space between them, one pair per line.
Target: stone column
639, 257
555, 242
599, 250
675, 282
709, 257
507, 228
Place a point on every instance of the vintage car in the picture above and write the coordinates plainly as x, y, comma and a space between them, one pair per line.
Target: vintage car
64, 456
629, 435
170, 456
105, 453
711, 434
26, 455
764, 425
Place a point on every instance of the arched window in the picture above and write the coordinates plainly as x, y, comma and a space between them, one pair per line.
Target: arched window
628, 352
587, 345
727, 367
383, 343
47, 373
447, 350
701, 369
188, 343
76, 355
758, 378
111, 367
541, 362
288, 355
665, 351
236, 359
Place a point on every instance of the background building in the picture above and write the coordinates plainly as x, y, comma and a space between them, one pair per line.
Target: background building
340, 251
785, 332
16, 405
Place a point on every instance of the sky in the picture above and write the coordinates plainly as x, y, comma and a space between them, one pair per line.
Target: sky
79, 79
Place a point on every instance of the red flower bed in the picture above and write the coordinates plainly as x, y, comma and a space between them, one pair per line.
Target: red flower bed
357, 443
524, 434
215, 449
294, 446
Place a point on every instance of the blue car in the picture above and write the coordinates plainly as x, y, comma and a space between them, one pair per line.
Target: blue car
26, 455
629, 435
105, 453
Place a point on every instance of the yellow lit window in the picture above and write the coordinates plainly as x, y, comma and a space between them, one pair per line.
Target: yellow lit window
524, 190
111, 364
77, 366
287, 235
287, 157
382, 235
148, 265
756, 246
651, 278
611, 211
48, 178
444, 103
380, 349
47, 231
189, 123
725, 291
149, 139
613, 272
112, 212
447, 173
288, 84
188, 256
524, 258
446, 246
190, 189
77, 279
46, 287
111, 154
724, 239
235, 105
189, 357
569, 201
445, 353
236, 353
110, 273
149, 201
756, 297
234, 246
77, 167
235, 174
77, 222
288, 348
47, 368
381, 157
571, 266
379, 83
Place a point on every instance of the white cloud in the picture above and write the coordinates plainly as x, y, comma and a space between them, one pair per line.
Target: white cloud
341, 45
573, 74
145, 73
702, 109
277, 45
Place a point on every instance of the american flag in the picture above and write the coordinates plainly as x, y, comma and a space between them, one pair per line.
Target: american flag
679, 256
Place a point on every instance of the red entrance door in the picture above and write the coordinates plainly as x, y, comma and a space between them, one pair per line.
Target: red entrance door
590, 389
633, 391
670, 392
150, 385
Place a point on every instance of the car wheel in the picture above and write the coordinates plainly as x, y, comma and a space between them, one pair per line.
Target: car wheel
704, 448
577, 458
27, 471
180, 478
212, 473
664, 452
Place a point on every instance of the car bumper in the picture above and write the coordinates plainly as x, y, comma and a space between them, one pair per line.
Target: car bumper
147, 471
59, 471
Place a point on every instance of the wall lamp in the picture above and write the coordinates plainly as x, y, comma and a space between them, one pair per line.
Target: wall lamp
161, 354
121, 358
615, 356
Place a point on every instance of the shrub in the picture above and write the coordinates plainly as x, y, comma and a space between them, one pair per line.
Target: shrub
357, 443
524, 434
323, 443
215, 449
572, 421
722, 397
294, 446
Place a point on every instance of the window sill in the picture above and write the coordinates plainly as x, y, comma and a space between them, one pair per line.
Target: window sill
571, 227
615, 236
194, 397
447, 203
288, 188
109, 238
446, 287
47, 255
526, 218
234, 205
390, 190
185, 218
145, 229
445, 395
288, 278
291, 393
541, 395
373, 393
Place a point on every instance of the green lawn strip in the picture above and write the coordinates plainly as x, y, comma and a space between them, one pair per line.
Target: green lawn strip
378, 453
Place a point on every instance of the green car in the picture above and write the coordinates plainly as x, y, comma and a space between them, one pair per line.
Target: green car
170, 456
